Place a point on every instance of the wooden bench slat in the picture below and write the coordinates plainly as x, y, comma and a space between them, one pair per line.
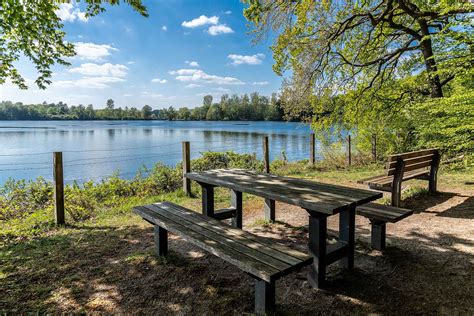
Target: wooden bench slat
412, 167
367, 180
242, 261
271, 248
412, 154
207, 230
383, 213
412, 161
383, 180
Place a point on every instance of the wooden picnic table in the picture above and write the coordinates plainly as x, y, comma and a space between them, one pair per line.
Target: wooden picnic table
320, 200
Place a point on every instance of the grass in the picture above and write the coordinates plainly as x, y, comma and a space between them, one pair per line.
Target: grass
65, 265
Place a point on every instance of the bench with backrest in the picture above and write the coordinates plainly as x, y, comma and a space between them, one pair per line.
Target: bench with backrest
264, 260
422, 164
379, 215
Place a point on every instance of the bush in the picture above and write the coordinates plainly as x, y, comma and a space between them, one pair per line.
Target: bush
21, 198
228, 159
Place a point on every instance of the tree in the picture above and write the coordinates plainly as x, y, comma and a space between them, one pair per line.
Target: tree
214, 113
171, 113
207, 101
33, 29
110, 104
337, 46
184, 113
146, 112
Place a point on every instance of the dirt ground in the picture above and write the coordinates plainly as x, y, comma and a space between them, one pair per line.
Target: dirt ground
428, 268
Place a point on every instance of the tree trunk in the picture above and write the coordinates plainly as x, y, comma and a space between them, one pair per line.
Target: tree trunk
430, 63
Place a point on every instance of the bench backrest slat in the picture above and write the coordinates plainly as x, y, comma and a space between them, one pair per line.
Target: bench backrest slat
412, 154
413, 160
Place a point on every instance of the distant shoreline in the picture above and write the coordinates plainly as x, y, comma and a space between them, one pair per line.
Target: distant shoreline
147, 120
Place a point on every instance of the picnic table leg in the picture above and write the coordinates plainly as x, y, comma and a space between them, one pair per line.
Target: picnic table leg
236, 202
347, 235
207, 200
317, 248
161, 240
269, 209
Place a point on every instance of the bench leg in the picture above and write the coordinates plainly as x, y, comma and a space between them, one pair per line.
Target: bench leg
434, 172
378, 235
161, 241
269, 209
347, 235
396, 195
317, 248
264, 297
236, 202
397, 182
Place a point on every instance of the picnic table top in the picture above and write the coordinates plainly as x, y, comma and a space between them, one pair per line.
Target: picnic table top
313, 196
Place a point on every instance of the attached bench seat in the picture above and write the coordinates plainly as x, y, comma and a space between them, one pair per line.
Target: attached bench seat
264, 260
379, 215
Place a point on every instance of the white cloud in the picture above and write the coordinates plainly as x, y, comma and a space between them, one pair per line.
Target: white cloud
127, 95
93, 51
246, 59
193, 85
90, 69
260, 83
164, 28
147, 94
199, 76
221, 89
130, 63
158, 80
88, 82
200, 21
228, 12
152, 94
69, 12
192, 63
219, 29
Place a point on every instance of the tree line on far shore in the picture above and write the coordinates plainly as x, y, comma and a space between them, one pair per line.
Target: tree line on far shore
254, 107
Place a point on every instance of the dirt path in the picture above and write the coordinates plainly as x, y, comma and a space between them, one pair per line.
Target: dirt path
428, 268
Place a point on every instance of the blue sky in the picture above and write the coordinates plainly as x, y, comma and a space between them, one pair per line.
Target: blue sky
182, 51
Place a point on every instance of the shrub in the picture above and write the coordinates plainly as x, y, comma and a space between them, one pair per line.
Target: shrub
228, 159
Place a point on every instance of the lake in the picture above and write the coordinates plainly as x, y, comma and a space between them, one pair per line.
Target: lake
98, 149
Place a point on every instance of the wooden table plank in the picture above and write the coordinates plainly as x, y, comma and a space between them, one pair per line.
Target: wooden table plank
321, 197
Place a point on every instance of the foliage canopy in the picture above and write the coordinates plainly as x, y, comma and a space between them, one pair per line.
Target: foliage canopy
34, 30
398, 69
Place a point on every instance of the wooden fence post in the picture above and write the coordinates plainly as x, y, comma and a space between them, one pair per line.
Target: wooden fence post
186, 168
312, 155
269, 205
374, 147
266, 155
349, 155
58, 188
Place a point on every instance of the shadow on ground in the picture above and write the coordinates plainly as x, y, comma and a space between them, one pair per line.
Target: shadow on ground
106, 269
446, 204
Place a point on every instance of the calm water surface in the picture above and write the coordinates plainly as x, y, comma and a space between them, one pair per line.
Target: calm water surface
97, 149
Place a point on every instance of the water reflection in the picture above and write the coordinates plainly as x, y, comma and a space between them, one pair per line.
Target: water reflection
94, 149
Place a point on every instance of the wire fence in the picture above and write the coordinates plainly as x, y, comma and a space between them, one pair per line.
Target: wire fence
101, 160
